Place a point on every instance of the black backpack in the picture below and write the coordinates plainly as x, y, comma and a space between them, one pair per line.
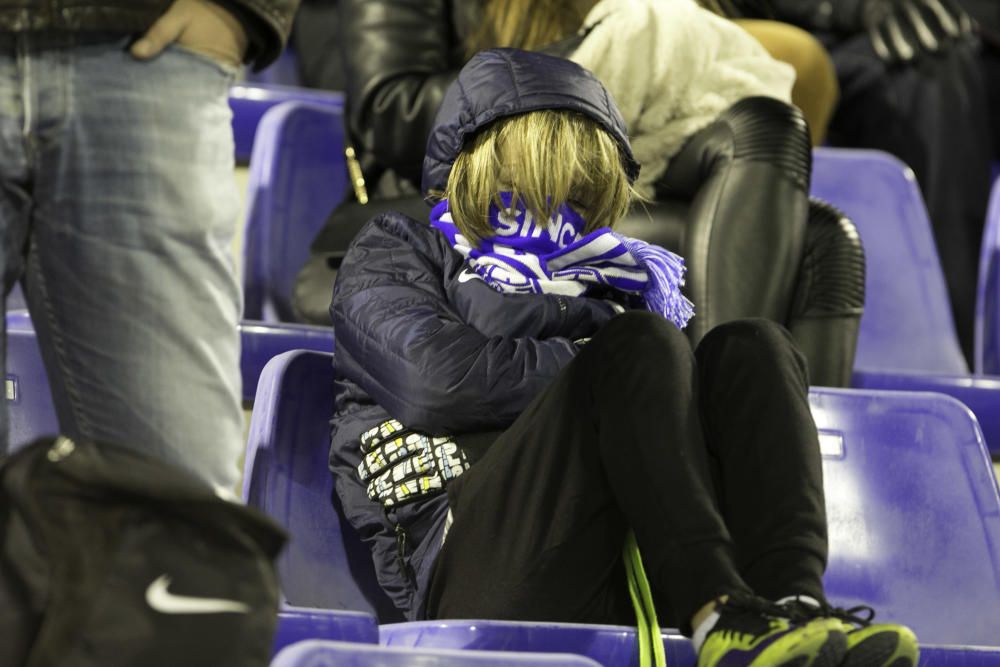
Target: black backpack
109, 557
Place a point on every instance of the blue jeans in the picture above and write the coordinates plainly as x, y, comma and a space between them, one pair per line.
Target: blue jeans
117, 210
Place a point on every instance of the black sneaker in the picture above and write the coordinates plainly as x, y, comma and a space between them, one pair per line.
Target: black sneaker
753, 632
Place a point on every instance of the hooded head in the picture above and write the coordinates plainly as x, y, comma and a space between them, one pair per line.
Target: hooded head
539, 126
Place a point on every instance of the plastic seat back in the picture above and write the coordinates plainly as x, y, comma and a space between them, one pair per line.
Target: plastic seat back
907, 324
315, 653
298, 174
30, 411
286, 475
249, 103
913, 512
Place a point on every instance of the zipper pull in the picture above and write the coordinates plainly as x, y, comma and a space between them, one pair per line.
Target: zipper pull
401, 555
400, 542
357, 177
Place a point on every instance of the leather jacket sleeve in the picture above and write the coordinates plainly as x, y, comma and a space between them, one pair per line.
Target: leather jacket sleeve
399, 57
267, 24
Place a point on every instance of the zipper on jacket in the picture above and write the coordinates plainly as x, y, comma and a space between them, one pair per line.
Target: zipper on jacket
404, 567
563, 310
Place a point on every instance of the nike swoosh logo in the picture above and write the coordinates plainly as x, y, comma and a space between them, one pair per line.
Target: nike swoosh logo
466, 275
165, 602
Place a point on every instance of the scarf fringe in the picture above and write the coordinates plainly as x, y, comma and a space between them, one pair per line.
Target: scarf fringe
665, 273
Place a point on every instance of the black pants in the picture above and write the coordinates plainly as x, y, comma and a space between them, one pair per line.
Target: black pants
932, 114
711, 457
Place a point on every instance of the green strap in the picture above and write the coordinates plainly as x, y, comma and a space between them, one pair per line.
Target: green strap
650, 640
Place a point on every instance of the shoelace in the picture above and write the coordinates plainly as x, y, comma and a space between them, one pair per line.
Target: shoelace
860, 615
854, 615
758, 605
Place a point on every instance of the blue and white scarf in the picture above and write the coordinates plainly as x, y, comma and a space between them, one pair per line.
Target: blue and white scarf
555, 257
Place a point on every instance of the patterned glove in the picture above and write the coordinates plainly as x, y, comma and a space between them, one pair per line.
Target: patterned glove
902, 30
400, 465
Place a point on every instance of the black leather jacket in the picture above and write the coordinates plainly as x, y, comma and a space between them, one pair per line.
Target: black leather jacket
834, 15
399, 57
267, 21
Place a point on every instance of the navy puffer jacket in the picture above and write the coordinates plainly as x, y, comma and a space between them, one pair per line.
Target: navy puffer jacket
424, 340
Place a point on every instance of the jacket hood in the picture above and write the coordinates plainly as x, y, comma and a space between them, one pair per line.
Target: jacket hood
505, 82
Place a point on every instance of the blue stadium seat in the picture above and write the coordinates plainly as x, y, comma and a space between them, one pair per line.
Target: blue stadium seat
296, 625
907, 339
298, 174
249, 103
286, 475
987, 359
340, 654
29, 403
913, 511
913, 506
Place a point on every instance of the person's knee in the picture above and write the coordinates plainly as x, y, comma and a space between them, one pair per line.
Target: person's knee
755, 345
763, 129
638, 337
639, 330
832, 275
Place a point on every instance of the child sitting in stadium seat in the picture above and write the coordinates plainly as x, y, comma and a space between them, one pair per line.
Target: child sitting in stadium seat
516, 402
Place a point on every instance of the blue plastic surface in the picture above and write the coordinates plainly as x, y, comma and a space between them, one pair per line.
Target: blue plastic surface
610, 645
913, 511
298, 174
340, 654
286, 475
906, 330
913, 506
958, 656
987, 359
981, 394
296, 624
260, 341
29, 405
907, 323
250, 102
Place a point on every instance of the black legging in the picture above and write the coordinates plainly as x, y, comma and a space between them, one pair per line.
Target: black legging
755, 245
711, 457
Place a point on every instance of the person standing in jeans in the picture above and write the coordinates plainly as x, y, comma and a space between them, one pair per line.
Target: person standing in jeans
118, 209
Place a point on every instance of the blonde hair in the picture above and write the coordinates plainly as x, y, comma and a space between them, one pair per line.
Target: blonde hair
545, 158
526, 24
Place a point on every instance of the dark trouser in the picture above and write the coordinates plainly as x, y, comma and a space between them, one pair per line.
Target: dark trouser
747, 177
755, 245
711, 458
931, 114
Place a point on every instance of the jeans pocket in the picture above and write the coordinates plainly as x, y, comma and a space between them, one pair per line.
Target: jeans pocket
226, 68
